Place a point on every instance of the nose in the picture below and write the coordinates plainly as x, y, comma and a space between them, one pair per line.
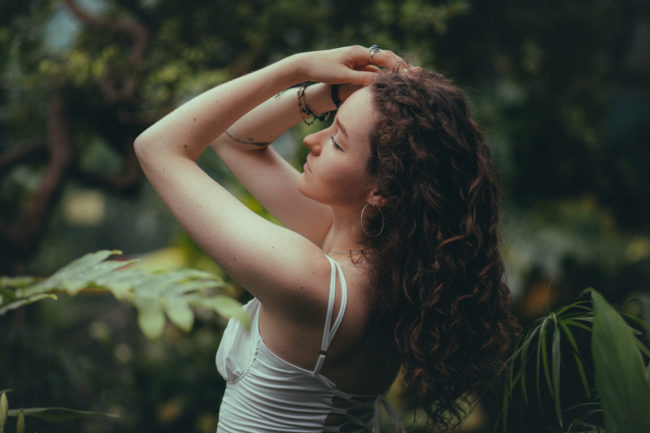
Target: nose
313, 142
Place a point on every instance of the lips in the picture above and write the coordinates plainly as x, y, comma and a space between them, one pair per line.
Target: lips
306, 167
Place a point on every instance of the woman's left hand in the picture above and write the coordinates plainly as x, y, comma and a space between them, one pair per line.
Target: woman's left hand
353, 65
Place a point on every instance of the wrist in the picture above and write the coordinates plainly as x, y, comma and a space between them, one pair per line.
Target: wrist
295, 67
311, 113
317, 96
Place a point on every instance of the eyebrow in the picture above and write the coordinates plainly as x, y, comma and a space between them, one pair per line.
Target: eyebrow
340, 126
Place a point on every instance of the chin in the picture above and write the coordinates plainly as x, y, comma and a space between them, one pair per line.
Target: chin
302, 188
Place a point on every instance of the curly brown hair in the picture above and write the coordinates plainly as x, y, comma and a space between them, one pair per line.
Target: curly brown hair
436, 269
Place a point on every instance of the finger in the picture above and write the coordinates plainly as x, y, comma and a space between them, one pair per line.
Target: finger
359, 57
404, 67
362, 77
387, 59
370, 68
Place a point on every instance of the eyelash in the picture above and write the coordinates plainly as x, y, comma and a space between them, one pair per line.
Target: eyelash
336, 144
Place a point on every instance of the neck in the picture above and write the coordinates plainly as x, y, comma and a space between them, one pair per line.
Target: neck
345, 235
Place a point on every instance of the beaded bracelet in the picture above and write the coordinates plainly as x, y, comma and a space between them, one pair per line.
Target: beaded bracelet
308, 116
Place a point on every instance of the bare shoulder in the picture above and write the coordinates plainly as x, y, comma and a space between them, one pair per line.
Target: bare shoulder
305, 292
293, 329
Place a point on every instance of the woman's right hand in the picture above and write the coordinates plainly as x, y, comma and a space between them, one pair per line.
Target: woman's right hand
343, 65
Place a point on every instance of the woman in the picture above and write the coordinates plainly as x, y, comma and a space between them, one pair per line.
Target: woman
388, 255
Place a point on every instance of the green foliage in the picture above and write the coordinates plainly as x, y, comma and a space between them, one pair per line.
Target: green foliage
4, 410
53, 414
56, 414
561, 89
154, 293
175, 294
621, 375
20, 424
619, 372
532, 352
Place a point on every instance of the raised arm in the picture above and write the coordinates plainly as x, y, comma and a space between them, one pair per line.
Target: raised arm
274, 263
245, 149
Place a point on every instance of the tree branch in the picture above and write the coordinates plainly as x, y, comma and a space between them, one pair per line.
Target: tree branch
138, 33
133, 30
22, 233
21, 153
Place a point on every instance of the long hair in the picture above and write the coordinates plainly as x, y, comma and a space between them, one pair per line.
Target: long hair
436, 269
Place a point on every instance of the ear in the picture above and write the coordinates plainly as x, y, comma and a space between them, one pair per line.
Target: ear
375, 198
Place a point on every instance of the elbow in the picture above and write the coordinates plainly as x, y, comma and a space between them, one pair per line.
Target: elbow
141, 146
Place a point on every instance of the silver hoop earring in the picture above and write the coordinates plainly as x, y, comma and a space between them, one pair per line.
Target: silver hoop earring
363, 227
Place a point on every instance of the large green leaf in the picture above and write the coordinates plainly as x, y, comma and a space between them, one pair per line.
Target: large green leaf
150, 316
76, 275
154, 293
179, 312
620, 373
24, 301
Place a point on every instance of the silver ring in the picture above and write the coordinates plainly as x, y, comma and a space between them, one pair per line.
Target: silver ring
373, 49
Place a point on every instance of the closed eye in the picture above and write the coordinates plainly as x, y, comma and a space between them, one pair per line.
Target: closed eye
336, 144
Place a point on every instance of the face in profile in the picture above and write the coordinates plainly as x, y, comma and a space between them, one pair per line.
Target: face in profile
335, 170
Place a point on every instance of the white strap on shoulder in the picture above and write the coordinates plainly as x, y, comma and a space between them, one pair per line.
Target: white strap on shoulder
330, 332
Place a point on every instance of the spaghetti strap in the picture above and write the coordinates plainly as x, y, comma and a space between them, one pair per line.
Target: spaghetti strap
330, 331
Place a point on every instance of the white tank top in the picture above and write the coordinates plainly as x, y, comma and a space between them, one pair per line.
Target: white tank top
265, 393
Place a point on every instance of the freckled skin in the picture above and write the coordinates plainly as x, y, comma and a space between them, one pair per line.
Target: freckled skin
291, 283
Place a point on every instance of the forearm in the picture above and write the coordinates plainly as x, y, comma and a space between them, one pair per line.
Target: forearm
188, 130
262, 125
265, 174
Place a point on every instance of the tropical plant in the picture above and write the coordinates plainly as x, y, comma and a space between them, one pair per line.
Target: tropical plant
622, 375
154, 293
55, 414
614, 374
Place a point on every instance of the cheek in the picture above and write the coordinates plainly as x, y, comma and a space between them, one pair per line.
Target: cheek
335, 180
348, 184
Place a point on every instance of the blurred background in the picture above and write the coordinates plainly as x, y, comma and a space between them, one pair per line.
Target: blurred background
561, 89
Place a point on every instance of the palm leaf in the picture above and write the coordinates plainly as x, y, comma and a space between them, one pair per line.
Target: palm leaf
541, 338
577, 315
547, 372
576, 356
555, 360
